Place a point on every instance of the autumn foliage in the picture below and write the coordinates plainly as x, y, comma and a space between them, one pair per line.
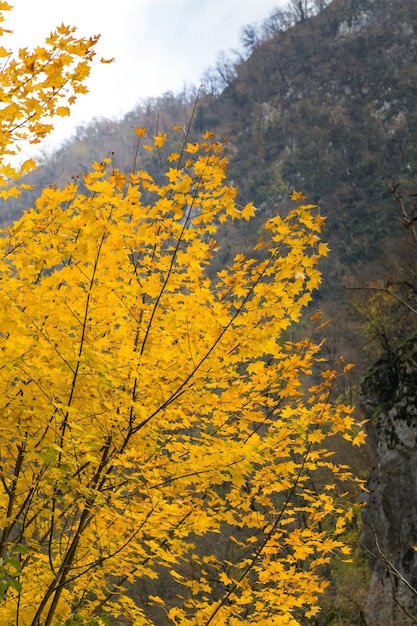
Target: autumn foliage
156, 418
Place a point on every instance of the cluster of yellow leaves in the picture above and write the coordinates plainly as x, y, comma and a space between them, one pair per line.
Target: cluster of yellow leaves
35, 86
153, 413
147, 403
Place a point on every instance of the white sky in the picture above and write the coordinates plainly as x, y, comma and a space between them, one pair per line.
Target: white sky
159, 45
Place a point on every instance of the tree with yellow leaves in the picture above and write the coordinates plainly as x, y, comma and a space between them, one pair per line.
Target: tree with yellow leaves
152, 413
35, 86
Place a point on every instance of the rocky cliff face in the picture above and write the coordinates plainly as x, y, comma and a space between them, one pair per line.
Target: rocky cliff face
389, 398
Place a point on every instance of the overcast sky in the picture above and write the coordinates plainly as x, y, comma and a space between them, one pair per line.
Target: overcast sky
159, 45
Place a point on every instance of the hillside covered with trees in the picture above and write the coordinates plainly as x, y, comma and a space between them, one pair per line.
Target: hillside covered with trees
324, 105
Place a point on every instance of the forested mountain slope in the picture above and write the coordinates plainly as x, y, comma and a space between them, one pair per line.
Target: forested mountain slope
329, 107
326, 106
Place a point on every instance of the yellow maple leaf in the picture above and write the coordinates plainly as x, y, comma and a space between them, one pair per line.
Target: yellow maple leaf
297, 195
224, 578
248, 211
140, 131
359, 439
62, 111
160, 139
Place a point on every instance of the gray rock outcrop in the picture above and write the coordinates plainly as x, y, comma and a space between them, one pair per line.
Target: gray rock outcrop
389, 399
